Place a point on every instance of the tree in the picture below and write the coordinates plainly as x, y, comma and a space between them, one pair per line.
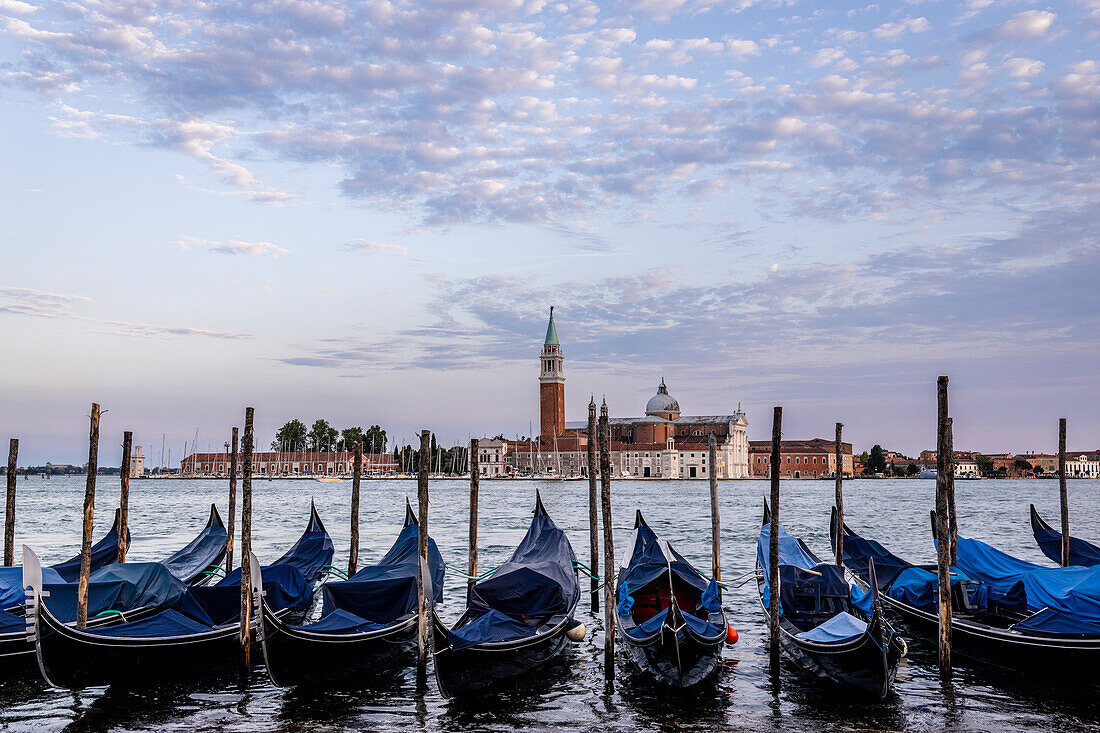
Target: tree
985, 465
1037, 469
1021, 465
322, 436
290, 437
876, 462
374, 440
913, 469
349, 437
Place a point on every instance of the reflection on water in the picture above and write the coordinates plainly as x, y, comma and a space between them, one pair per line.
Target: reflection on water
748, 693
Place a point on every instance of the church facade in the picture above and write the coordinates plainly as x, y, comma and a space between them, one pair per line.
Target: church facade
663, 443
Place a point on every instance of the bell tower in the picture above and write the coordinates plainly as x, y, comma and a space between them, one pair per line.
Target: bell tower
551, 385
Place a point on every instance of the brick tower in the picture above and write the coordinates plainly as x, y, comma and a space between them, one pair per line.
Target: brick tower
551, 385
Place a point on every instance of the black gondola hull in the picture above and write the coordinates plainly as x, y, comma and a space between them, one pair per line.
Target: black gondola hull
670, 661
299, 657
483, 667
72, 659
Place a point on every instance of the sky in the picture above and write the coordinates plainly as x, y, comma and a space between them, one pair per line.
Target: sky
363, 212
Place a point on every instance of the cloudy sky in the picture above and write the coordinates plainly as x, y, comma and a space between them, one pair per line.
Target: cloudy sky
363, 211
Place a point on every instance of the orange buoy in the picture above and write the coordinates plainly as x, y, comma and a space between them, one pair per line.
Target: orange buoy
731, 635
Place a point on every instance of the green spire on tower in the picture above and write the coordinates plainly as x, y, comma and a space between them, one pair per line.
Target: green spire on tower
551, 331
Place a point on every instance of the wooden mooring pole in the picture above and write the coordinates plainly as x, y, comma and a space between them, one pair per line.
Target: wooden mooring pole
944, 475
124, 495
422, 504
356, 477
608, 546
89, 509
9, 517
246, 542
593, 507
773, 530
715, 523
1063, 492
232, 503
471, 568
839, 495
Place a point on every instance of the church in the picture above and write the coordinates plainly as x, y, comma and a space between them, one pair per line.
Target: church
661, 444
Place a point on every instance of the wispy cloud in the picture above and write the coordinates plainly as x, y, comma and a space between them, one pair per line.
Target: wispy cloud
232, 247
371, 247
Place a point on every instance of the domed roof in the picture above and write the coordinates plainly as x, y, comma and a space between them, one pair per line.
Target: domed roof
662, 401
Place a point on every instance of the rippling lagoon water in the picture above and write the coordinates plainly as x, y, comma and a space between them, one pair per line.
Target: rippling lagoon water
164, 515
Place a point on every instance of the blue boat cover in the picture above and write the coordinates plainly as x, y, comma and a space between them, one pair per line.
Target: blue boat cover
1081, 552
387, 591
649, 561
311, 553
490, 626
103, 552
202, 552
538, 580
11, 585
118, 588
1066, 600
10, 623
651, 625
826, 581
840, 628
341, 622
167, 623
284, 588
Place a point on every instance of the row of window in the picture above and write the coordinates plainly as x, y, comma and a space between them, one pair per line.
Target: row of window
767, 459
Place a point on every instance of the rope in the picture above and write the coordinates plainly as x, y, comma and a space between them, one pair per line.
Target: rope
586, 570
331, 570
474, 578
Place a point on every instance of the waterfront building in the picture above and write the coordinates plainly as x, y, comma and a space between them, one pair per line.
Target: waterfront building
661, 444
814, 458
295, 463
1083, 465
492, 457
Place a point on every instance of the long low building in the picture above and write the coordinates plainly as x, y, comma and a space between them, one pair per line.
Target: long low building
297, 463
815, 458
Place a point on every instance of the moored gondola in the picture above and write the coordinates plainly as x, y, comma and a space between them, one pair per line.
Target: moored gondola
828, 626
197, 633
116, 593
368, 622
1082, 553
988, 624
670, 620
517, 617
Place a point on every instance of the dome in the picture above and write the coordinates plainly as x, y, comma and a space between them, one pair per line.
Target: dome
662, 402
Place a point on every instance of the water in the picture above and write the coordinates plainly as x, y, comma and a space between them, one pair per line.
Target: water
571, 695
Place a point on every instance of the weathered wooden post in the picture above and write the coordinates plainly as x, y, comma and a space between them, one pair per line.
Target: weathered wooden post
471, 569
715, 524
593, 507
608, 545
9, 520
246, 542
124, 495
944, 474
422, 601
952, 519
773, 530
1063, 492
232, 503
356, 476
89, 509
839, 495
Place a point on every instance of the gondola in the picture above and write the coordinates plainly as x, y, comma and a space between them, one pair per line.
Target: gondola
828, 626
988, 624
116, 592
516, 619
670, 620
367, 623
198, 633
1082, 553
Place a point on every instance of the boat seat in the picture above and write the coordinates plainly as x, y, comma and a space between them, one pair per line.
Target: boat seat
809, 597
